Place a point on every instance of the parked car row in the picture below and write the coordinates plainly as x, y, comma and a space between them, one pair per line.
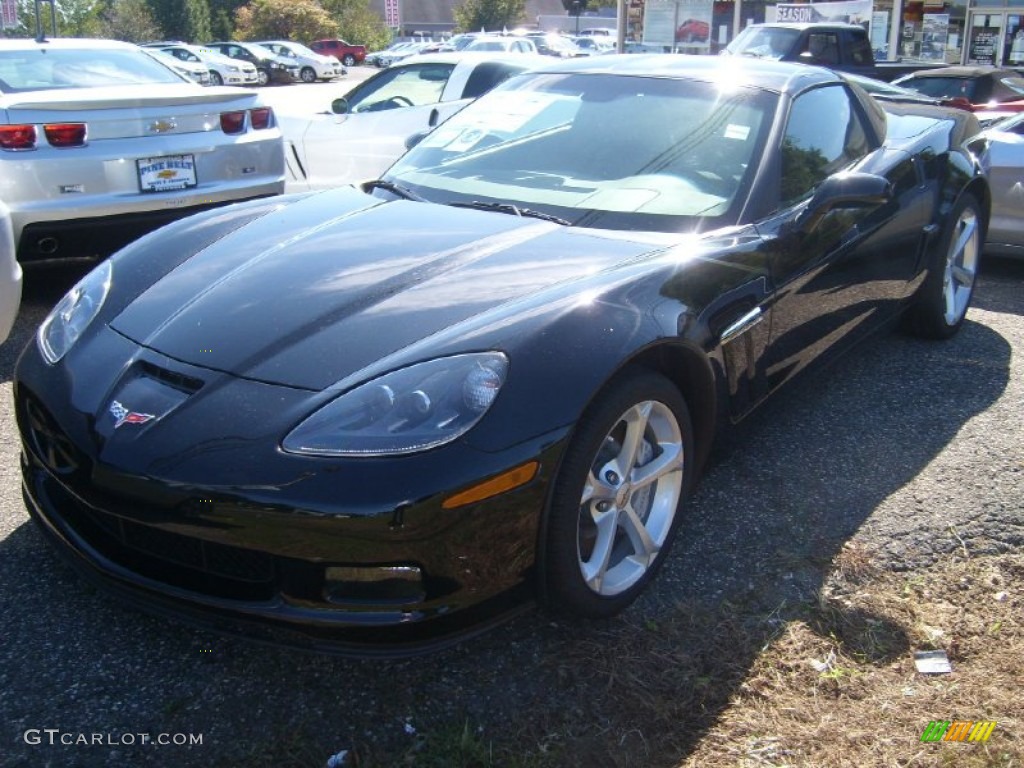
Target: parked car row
249, 63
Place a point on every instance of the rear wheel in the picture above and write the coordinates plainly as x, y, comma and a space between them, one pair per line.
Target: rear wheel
308, 75
946, 293
615, 505
348, 60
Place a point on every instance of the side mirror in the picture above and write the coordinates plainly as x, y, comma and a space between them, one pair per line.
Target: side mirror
415, 139
434, 118
843, 190
340, 106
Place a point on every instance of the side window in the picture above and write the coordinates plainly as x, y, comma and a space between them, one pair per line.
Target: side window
411, 86
485, 76
823, 48
860, 51
824, 134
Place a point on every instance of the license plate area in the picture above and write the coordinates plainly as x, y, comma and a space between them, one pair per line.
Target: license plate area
170, 172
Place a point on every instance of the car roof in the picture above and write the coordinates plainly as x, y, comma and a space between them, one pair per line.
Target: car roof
966, 70
733, 70
469, 57
808, 24
29, 43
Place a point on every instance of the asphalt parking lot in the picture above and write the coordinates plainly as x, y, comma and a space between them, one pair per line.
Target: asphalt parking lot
911, 448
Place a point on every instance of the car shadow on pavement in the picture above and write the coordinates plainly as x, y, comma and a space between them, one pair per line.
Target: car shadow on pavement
784, 492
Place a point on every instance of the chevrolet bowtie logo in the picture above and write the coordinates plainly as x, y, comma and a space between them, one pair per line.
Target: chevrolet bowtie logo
168, 174
162, 126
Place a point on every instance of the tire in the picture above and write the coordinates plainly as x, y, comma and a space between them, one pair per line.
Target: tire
262, 76
308, 75
215, 78
943, 299
348, 60
605, 539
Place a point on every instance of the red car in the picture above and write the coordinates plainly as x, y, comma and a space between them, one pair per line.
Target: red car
974, 87
693, 31
346, 53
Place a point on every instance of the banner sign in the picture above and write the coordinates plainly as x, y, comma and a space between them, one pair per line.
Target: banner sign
845, 11
684, 24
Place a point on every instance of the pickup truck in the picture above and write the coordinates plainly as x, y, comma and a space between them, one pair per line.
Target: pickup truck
842, 47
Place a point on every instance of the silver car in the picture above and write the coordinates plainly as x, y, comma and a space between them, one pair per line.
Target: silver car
1000, 150
313, 66
100, 144
223, 69
10, 275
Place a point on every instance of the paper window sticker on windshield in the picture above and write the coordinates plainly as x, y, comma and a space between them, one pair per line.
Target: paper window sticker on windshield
465, 139
739, 132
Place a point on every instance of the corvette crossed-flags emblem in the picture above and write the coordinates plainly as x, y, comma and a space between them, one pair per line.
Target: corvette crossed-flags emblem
123, 416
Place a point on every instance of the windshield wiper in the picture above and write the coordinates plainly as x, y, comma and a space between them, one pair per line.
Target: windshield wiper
515, 210
395, 189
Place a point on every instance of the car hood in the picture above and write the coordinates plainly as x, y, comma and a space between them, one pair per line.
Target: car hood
318, 290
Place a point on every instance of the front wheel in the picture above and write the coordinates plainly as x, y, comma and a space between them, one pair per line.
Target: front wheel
308, 75
215, 78
348, 60
616, 500
946, 293
262, 76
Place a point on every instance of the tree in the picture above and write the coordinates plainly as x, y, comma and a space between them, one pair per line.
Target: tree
284, 20
488, 14
358, 23
75, 18
579, 7
183, 19
129, 20
222, 18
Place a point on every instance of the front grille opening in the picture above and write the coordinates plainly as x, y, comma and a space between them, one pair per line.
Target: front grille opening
207, 568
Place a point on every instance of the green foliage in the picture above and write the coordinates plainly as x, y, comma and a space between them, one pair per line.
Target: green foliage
75, 18
579, 7
474, 15
182, 19
302, 20
129, 20
222, 18
358, 23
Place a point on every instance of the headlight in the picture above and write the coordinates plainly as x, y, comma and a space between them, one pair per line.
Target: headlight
405, 411
231, 69
69, 319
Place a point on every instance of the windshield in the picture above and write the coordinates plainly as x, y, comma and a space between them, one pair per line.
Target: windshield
763, 42
619, 152
45, 69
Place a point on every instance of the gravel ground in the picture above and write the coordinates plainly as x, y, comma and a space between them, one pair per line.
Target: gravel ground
909, 450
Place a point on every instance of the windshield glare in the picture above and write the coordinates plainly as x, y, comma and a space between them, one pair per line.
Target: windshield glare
620, 152
44, 69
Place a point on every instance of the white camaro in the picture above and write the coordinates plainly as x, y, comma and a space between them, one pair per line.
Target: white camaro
100, 144
10, 275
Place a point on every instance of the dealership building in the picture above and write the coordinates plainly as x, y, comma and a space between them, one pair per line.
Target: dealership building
954, 32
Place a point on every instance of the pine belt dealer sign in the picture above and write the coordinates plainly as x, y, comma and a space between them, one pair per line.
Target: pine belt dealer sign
8, 14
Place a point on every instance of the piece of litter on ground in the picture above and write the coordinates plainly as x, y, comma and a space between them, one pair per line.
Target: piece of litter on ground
932, 662
339, 760
1001, 597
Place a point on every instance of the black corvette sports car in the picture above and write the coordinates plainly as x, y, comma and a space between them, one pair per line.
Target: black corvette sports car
375, 418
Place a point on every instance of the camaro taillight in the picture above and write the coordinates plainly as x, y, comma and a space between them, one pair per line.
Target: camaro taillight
232, 122
261, 118
65, 134
17, 137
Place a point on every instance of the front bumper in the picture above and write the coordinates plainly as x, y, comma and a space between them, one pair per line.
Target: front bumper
309, 561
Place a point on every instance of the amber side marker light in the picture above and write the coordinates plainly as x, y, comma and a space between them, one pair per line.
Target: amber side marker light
498, 484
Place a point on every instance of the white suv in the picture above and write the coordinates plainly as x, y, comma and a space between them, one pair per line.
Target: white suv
313, 66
